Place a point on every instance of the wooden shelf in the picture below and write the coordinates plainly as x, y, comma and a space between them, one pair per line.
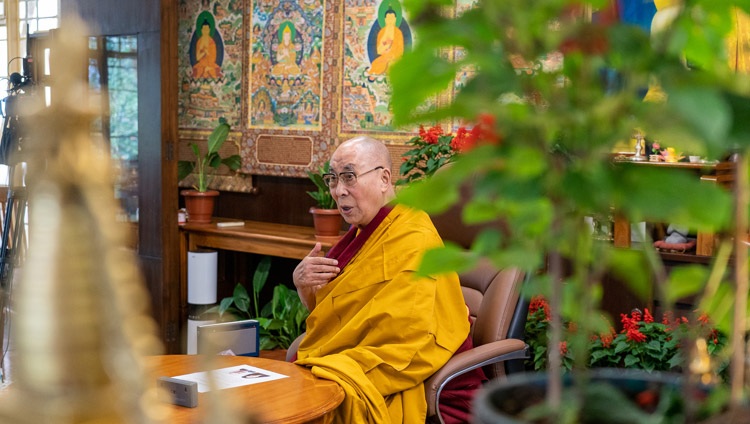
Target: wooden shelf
262, 238
685, 257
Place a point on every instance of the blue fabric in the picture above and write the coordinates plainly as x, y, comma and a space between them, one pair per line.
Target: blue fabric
637, 12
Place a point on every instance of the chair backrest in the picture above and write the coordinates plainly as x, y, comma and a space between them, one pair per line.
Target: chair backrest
492, 296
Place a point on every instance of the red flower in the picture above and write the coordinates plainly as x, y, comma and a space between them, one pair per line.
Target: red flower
431, 135
460, 140
636, 314
485, 129
563, 348
647, 399
703, 318
647, 317
636, 336
539, 302
482, 132
714, 336
628, 323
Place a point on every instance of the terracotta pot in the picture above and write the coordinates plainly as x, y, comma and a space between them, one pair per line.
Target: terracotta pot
327, 222
199, 205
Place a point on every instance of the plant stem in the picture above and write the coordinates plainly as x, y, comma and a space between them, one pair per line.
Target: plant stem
554, 386
737, 367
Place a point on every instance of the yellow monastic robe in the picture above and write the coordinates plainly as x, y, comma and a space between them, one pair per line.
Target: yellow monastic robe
738, 42
380, 331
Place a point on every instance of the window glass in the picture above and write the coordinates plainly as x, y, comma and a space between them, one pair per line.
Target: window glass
113, 84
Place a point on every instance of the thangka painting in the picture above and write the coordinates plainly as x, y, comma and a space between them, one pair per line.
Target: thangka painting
376, 33
210, 62
286, 55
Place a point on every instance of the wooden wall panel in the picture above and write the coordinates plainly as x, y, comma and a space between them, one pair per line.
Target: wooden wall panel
167, 165
279, 199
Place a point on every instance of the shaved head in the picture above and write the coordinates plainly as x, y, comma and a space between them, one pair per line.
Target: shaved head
370, 148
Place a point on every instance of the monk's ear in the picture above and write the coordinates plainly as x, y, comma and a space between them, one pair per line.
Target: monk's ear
386, 177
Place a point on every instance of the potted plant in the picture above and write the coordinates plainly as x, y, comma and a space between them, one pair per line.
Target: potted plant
644, 342
199, 201
539, 72
326, 217
280, 321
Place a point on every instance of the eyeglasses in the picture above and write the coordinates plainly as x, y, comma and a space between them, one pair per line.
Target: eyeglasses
349, 178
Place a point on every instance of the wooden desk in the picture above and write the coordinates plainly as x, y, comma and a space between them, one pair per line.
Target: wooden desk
300, 398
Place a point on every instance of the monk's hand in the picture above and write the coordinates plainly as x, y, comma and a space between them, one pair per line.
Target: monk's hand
315, 270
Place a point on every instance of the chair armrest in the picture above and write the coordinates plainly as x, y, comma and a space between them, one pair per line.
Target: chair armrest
479, 356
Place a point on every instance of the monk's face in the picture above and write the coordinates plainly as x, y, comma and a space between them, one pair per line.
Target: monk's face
360, 202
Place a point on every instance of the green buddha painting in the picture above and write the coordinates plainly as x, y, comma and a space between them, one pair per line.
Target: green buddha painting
388, 37
206, 49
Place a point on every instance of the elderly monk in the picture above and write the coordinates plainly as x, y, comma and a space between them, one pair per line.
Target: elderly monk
375, 327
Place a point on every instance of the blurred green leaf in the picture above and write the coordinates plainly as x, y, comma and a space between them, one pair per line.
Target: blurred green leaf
685, 281
631, 267
669, 195
410, 89
433, 195
720, 306
705, 109
451, 258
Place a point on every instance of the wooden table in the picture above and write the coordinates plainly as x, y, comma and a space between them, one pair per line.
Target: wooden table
300, 398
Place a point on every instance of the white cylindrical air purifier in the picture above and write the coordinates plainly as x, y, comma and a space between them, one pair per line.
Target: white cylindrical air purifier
201, 292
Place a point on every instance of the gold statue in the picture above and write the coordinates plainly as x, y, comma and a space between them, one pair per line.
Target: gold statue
82, 323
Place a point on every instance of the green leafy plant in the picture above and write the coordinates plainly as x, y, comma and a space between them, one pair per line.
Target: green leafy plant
643, 343
205, 166
281, 320
322, 196
538, 71
433, 148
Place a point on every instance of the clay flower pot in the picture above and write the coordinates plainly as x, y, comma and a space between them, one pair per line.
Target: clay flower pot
199, 205
327, 222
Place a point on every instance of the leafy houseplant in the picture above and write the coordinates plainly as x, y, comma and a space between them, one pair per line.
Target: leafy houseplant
322, 195
433, 148
326, 216
199, 201
281, 320
560, 124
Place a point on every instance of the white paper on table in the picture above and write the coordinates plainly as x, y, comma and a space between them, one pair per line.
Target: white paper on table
225, 378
